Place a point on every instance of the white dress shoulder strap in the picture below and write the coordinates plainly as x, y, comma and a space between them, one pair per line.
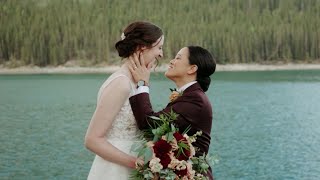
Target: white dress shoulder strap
113, 77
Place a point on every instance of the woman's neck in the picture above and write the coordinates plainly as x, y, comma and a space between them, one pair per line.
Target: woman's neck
181, 82
125, 68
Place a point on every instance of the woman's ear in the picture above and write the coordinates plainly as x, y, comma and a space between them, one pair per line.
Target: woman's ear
193, 69
142, 48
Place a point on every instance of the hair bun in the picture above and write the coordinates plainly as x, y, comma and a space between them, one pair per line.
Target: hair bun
204, 82
125, 48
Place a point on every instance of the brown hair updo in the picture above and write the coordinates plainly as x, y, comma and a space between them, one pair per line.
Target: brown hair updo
136, 35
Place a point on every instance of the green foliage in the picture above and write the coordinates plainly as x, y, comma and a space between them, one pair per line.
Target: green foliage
167, 174
182, 146
161, 125
200, 164
44, 32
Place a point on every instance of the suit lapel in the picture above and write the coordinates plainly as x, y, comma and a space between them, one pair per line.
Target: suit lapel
193, 87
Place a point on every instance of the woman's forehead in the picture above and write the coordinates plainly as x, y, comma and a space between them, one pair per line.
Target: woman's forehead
183, 52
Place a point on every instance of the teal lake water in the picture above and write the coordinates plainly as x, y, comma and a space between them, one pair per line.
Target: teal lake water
266, 124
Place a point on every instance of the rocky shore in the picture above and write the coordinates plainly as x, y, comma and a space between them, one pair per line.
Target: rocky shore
110, 69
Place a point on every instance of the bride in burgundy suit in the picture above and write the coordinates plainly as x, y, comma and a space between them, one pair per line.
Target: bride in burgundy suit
190, 70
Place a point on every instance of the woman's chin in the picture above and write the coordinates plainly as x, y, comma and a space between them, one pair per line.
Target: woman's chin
167, 74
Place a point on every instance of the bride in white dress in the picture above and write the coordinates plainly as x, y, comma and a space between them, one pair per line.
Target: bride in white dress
112, 129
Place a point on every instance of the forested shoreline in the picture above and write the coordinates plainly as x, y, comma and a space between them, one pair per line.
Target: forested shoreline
44, 32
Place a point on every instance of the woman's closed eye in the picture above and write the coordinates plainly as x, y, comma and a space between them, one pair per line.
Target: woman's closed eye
178, 56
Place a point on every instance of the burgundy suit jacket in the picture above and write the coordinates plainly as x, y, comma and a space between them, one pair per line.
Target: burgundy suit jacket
194, 110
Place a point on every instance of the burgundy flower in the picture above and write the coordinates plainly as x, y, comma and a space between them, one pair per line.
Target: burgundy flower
178, 136
161, 147
165, 160
181, 173
186, 153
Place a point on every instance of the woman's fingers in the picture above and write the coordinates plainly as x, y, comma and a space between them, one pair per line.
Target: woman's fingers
136, 60
131, 69
141, 58
133, 64
139, 163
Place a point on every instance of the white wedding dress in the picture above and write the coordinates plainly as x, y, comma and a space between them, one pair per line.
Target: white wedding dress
123, 134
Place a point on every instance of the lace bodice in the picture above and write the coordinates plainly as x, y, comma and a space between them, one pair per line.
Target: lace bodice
124, 126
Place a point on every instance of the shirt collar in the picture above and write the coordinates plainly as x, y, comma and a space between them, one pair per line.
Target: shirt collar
184, 87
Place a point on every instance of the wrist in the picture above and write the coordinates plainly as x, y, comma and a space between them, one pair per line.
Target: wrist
146, 83
142, 83
133, 162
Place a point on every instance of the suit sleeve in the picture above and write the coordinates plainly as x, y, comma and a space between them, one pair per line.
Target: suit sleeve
142, 109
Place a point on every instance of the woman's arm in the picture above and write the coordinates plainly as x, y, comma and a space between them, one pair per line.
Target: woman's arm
184, 106
110, 102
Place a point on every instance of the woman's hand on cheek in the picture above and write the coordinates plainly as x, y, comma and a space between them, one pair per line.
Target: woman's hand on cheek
138, 68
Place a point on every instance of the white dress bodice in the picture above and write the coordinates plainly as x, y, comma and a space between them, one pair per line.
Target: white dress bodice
124, 126
122, 135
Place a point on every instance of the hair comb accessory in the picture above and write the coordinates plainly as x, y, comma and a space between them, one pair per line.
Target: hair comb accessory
123, 36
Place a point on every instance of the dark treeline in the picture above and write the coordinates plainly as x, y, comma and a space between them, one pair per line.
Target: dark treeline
51, 32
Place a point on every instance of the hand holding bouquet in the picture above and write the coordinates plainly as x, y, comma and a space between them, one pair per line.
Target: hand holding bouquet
169, 154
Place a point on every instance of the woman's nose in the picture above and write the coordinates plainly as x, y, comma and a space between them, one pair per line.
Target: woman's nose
161, 55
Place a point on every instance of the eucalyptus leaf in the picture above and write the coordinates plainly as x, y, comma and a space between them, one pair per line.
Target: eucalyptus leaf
204, 166
147, 155
173, 129
155, 138
136, 147
141, 153
170, 136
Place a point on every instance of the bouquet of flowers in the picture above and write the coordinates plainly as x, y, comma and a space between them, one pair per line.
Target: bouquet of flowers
167, 153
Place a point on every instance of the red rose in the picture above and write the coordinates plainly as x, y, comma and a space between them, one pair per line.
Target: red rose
165, 160
181, 173
161, 147
178, 136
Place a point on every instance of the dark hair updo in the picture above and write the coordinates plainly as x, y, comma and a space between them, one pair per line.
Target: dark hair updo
136, 35
206, 65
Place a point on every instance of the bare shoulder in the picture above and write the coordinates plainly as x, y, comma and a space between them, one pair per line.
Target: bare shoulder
118, 84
